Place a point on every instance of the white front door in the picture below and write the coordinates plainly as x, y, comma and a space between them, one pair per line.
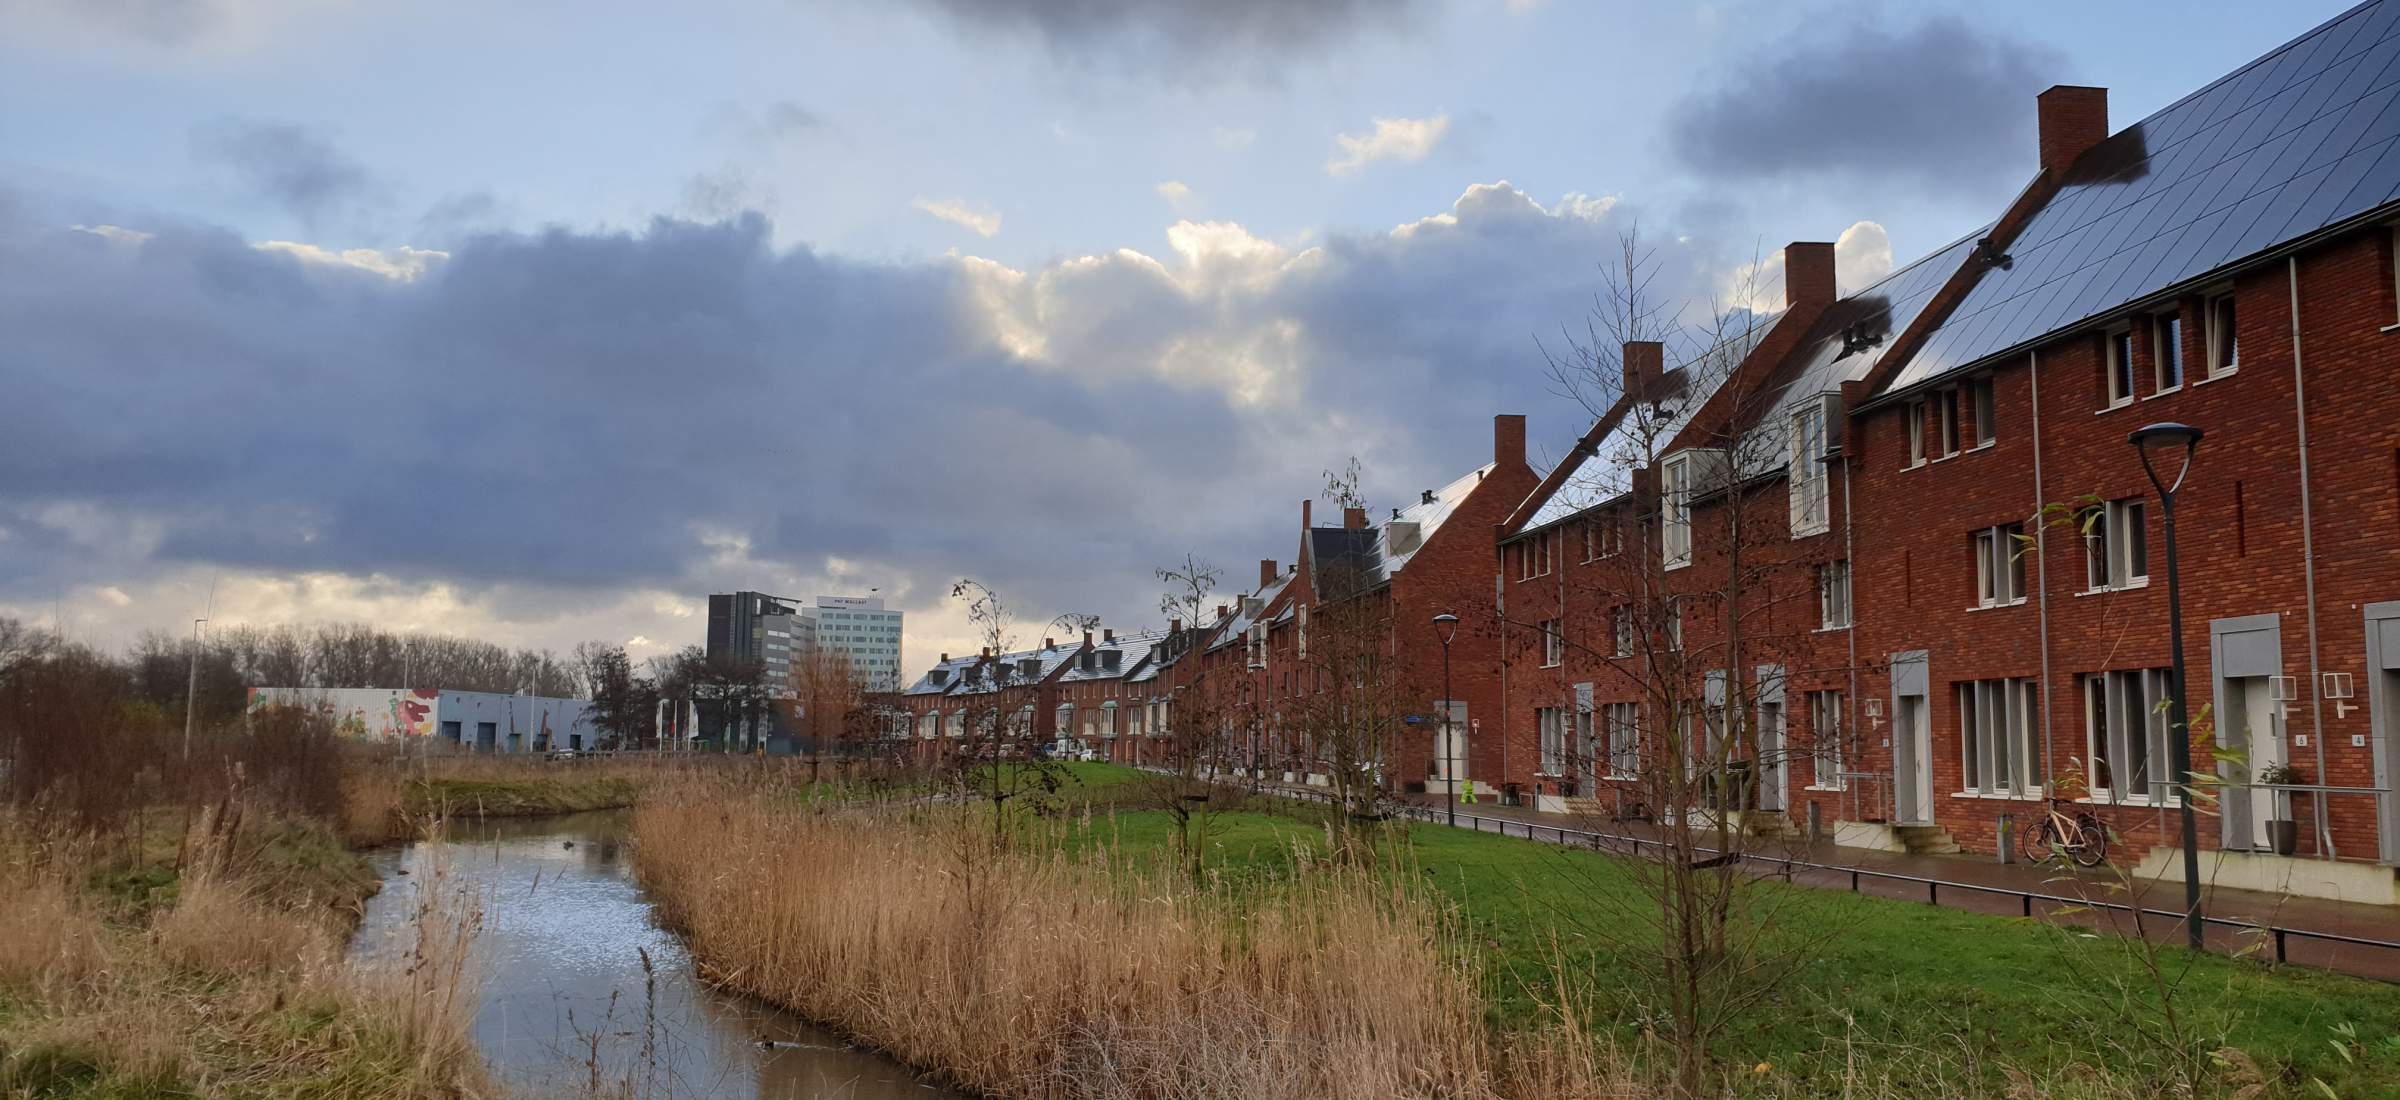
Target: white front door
1912, 761
1771, 773
2262, 741
1450, 744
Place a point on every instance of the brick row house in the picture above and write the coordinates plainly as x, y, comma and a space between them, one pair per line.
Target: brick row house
1902, 531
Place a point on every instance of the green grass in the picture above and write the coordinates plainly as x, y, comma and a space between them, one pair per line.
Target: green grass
1917, 993
527, 797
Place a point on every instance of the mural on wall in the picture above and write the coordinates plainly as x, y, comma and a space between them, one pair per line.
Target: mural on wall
360, 712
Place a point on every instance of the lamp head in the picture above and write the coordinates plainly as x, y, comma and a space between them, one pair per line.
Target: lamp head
2164, 439
1447, 623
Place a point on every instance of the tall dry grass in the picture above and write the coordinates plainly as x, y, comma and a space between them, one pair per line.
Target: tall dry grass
1020, 976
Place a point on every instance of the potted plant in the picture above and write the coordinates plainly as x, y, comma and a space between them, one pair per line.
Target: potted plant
2283, 833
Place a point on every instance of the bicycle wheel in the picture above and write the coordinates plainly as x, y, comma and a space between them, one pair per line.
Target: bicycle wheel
2091, 845
2039, 842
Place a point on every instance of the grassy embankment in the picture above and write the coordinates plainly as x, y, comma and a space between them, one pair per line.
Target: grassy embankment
1078, 959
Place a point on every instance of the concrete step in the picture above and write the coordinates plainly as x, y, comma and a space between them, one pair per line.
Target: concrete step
1760, 823
1925, 840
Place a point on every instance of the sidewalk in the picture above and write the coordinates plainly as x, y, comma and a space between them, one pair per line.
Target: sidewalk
1953, 877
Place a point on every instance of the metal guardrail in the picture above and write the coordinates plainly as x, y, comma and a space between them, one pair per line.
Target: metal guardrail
1561, 835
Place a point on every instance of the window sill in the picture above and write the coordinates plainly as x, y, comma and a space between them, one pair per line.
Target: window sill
1942, 458
2135, 586
2393, 327
1914, 464
1825, 790
2113, 406
2230, 371
1831, 629
2156, 394
1550, 664
1983, 446
1811, 531
1989, 796
2130, 803
2018, 602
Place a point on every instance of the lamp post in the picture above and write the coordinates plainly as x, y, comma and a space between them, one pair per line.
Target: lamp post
191, 689
1447, 623
2164, 439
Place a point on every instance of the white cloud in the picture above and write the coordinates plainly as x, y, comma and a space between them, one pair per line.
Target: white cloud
401, 264
1861, 255
983, 223
1177, 193
113, 596
1401, 139
115, 233
1234, 137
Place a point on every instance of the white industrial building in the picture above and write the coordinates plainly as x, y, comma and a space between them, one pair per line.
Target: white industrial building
477, 721
858, 627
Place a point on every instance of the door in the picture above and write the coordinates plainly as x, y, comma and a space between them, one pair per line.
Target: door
1772, 791
487, 736
1450, 744
2259, 733
1912, 761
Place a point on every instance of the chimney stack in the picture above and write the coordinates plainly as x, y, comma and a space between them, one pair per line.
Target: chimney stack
1224, 612
1807, 274
1049, 643
1354, 519
1087, 639
1174, 626
1266, 572
945, 659
1645, 361
1304, 515
1508, 439
987, 651
1108, 635
2072, 118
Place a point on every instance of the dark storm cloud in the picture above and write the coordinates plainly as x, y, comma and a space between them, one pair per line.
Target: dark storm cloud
1942, 102
601, 411
292, 166
1156, 28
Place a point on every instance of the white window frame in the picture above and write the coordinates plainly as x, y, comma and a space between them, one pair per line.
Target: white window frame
1983, 412
2123, 712
1624, 629
1999, 569
1825, 741
1554, 643
1945, 409
1811, 511
1674, 624
2116, 549
1996, 738
1833, 595
1624, 726
1675, 511
2224, 334
1916, 433
2117, 366
2162, 343
1551, 725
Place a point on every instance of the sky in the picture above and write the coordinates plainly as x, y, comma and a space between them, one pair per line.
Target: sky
539, 322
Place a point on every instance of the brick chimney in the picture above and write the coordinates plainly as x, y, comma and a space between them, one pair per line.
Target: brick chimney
1508, 439
945, 659
1354, 519
1224, 612
1645, 361
1304, 515
1087, 639
1174, 626
1266, 572
987, 651
2073, 119
1807, 274
1049, 643
1108, 635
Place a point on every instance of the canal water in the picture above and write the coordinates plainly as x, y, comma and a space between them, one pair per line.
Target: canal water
564, 997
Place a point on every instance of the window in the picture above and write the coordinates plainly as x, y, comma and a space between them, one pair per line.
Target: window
1995, 734
2166, 351
2119, 368
2116, 550
1807, 470
2224, 350
1825, 738
1945, 410
2125, 724
1624, 738
1980, 412
1674, 625
1999, 568
1554, 644
1601, 539
1553, 724
1916, 433
1300, 619
1675, 520
1624, 619
1833, 595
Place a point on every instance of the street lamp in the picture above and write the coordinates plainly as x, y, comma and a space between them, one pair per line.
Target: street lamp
2163, 440
191, 689
1447, 623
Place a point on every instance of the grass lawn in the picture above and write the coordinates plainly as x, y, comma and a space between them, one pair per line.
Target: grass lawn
1915, 993
535, 794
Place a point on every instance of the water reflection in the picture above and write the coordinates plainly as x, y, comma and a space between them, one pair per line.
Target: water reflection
566, 1002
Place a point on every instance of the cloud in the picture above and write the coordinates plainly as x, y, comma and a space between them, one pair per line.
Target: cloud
1401, 139
148, 23
569, 434
1941, 102
787, 119
1130, 34
1233, 137
983, 222
1862, 255
292, 166
1177, 193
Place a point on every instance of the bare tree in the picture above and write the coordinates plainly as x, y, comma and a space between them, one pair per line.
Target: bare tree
1689, 610
1192, 746
999, 759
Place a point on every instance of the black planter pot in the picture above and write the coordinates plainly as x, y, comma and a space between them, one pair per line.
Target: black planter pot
2284, 836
